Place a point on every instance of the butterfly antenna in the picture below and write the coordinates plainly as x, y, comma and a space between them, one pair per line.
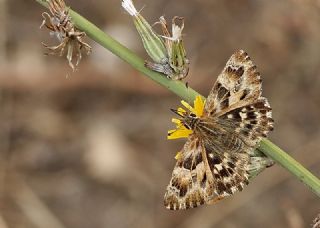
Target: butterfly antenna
176, 112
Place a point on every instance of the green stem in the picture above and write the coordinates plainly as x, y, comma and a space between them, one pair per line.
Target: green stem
287, 162
187, 94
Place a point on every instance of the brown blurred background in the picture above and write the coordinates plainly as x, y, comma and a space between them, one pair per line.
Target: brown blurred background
90, 149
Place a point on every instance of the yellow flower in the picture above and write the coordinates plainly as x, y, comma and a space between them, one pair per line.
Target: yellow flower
181, 131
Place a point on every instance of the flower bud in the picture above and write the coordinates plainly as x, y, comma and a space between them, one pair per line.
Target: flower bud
153, 44
166, 51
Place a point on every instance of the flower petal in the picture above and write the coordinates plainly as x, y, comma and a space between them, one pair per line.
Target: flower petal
181, 111
198, 106
176, 121
179, 133
185, 104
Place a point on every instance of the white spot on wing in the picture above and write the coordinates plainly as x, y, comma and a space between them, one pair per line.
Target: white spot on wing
269, 114
218, 167
234, 189
243, 115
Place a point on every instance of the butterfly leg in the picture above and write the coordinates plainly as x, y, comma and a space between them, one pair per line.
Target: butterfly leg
258, 163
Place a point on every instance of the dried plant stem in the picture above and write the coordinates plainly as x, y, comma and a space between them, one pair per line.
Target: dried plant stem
188, 94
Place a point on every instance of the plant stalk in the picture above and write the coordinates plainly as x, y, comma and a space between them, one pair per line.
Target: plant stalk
188, 94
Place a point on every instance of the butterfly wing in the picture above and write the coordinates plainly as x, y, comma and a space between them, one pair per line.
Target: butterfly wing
238, 118
228, 171
187, 187
204, 174
235, 100
250, 123
239, 84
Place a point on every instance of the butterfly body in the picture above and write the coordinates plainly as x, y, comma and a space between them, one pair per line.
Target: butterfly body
216, 159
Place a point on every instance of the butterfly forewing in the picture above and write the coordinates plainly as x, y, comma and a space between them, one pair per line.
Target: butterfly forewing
238, 84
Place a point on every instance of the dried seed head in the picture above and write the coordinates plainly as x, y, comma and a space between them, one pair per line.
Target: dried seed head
58, 21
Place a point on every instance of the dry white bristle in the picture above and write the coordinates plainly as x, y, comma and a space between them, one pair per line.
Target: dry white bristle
129, 7
176, 32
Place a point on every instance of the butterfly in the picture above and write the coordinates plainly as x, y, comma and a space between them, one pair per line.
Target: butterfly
222, 133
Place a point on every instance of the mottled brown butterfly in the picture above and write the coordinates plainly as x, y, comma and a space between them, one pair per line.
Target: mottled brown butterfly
222, 134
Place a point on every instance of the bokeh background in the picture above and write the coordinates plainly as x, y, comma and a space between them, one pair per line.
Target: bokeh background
89, 149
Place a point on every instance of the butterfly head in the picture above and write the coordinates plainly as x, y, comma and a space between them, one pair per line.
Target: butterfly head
187, 119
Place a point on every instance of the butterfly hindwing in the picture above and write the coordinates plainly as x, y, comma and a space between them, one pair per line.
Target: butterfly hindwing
203, 176
187, 185
251, 122
228, 170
